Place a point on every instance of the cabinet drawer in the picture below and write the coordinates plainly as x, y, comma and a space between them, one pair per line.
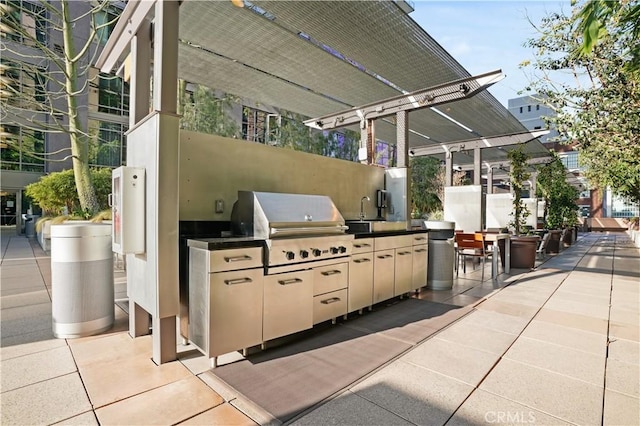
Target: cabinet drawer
330, 278
419, 239
385, 243
234, 259
363, 245
329, 306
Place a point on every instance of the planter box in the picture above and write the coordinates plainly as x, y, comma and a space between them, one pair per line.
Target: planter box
553, 244
523, 252
44, 236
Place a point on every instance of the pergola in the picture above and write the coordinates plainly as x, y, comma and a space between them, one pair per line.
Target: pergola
314, 58
317, 58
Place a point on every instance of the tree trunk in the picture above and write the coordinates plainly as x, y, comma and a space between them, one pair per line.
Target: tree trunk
77, 135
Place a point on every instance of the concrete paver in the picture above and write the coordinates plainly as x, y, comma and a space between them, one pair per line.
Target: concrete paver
569, 337
486, 408
45, 402
559, 344
451, 359
560, 395
414, 392
170, 404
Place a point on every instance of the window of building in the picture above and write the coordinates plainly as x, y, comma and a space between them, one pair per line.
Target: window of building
21, 149
108, 147
529, 108
570, 160
520, 110
22, 89
254, 124
105, 22
24, 22
23, 85
113, 95
537, 107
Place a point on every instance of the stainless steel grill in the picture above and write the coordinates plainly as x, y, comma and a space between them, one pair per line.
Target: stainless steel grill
297, 227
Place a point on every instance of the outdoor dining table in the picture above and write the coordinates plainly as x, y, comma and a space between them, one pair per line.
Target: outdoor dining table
494, 238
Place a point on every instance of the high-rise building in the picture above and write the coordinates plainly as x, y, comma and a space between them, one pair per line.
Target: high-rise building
27, 150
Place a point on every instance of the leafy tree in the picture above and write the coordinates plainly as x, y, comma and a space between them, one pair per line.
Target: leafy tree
54, 101
56, 192
599, 110
560, 196
291, 132
426, 185
518, 175
597, 16
202, 111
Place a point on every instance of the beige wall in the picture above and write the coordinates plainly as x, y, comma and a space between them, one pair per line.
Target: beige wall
213, 167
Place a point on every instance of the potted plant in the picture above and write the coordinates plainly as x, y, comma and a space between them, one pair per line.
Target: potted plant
57, 196
560, 205
523, 246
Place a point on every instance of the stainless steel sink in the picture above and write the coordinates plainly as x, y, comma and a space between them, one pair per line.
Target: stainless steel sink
369, 226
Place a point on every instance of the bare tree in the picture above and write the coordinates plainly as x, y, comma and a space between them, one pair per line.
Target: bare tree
41, 40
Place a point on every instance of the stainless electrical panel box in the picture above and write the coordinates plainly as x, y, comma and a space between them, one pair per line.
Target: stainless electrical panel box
128, 210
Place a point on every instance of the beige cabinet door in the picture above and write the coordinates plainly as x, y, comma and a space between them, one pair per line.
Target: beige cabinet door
383, 275
420, 260
403, 270
235, 311
360, 281
288, 303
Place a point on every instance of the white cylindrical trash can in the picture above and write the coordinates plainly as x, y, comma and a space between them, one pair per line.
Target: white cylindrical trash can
82, 279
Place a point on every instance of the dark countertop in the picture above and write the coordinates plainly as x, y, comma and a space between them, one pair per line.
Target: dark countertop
221, 243
225, 243
389, 233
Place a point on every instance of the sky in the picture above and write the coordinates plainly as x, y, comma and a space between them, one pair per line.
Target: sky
487, 35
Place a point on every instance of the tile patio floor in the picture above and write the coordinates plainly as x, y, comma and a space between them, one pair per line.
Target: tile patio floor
556, 345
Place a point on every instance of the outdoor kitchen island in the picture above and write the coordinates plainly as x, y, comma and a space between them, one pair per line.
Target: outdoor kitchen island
237, 300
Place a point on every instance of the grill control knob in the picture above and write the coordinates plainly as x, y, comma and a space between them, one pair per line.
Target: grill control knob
334, 250
316, 252
343, 249
304, 254
290, 255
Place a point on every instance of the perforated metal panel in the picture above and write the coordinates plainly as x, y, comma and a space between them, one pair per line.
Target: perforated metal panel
289, 57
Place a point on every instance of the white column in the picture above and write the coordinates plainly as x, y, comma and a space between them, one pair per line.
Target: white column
140, 81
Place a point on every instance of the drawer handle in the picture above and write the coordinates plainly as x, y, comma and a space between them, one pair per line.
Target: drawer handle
289, 281
329, 301
237, 258
420, 238
362, 245
385, 256
402, 253
362, 260
420, 250
334, 272
238, 281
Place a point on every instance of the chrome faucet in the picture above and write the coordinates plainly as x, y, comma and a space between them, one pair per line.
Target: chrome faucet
362, 214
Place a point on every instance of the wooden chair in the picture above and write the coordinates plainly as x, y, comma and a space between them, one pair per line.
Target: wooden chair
473, 245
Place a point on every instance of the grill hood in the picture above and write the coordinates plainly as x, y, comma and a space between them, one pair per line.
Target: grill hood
273, 215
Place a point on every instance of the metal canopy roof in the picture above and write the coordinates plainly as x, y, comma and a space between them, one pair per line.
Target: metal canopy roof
319, 57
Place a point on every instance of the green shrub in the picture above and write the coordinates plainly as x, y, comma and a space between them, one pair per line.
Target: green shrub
56, 192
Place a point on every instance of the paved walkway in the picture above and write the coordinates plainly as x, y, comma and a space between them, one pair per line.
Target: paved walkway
557, 345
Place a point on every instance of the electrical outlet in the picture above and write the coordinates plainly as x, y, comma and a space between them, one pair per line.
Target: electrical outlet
219, 206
